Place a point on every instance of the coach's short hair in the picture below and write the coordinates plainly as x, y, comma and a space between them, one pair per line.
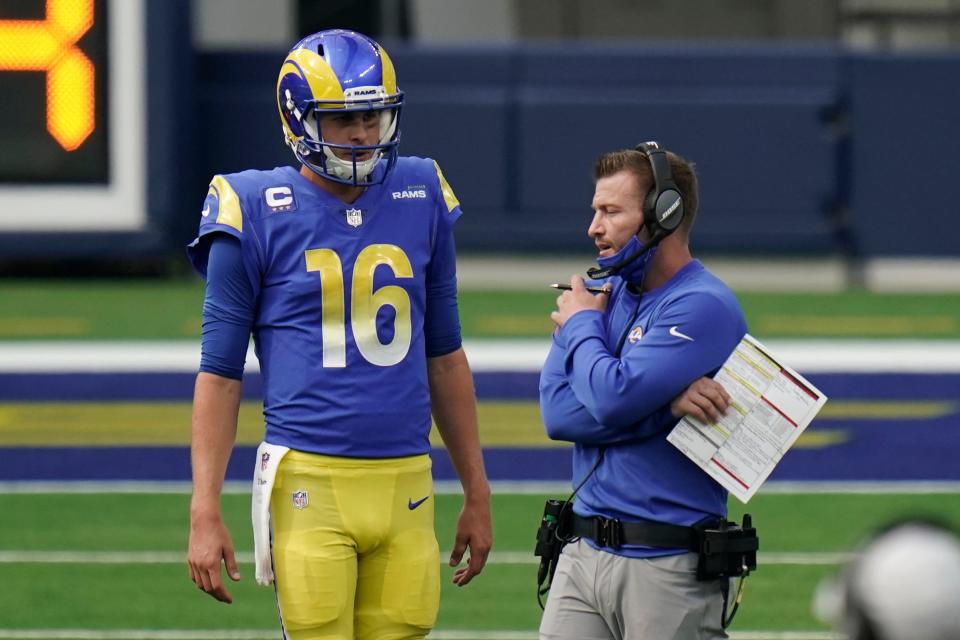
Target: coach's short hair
637, 163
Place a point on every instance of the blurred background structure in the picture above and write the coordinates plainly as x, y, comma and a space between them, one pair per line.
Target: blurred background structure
822, 128
826, 136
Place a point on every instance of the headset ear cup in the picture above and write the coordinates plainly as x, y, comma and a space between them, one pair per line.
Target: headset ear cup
650, 212
669, 210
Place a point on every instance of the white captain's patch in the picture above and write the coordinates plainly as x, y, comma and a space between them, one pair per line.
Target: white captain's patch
279, 198
409, 193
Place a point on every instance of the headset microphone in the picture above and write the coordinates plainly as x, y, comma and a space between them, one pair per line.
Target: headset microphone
597, 273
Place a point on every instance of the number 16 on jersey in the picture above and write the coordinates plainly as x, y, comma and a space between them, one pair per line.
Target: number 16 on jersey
365, 303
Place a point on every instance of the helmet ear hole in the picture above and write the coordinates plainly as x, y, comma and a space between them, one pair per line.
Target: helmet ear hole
388, 124
311, 124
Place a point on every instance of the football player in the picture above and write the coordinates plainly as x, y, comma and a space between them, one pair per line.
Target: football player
344, 272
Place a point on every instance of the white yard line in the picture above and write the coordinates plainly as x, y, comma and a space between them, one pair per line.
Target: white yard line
523, 355
271, 634
14, 556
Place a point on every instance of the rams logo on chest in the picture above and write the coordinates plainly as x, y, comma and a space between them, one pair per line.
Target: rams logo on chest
409, 193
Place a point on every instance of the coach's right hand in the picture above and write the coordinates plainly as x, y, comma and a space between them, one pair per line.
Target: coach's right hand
577, 299
209, 545
705, 399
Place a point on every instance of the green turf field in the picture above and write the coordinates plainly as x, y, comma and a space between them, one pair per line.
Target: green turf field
155, 309
99, 563
119, 564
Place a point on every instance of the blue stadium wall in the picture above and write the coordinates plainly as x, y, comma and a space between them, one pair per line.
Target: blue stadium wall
800, 149
804, 150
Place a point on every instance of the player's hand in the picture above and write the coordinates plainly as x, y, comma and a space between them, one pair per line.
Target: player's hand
474, 530
576, 300
209, 545
705, 399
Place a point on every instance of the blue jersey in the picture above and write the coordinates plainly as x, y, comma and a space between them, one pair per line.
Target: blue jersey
608, 382
340, 293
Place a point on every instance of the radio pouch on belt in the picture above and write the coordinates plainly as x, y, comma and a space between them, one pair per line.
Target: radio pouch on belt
551, 536
727, 551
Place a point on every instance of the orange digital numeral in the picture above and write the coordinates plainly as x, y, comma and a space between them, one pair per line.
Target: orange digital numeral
50, 46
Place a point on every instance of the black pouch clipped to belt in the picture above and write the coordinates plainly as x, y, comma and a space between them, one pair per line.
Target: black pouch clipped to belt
552, 535
727, 551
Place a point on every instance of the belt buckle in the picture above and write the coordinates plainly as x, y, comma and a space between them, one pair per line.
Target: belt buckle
608, 533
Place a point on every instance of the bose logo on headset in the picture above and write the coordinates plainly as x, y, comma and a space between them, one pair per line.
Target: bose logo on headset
669, 212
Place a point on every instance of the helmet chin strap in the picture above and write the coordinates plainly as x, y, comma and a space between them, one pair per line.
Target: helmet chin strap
344, 168
598, 273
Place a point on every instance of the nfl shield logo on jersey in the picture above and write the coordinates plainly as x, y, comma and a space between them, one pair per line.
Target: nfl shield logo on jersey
354, 217
300, 499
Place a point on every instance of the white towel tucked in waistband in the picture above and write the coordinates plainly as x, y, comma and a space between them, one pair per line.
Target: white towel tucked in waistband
268, 459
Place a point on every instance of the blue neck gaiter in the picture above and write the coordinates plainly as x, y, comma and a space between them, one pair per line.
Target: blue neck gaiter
633, 271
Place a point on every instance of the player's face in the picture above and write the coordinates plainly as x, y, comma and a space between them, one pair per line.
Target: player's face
356, 128
617, 212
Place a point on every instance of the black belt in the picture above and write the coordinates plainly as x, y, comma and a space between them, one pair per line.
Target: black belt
608, 532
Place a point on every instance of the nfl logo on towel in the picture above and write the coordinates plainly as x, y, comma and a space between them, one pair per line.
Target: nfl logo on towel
300, 499
354, 217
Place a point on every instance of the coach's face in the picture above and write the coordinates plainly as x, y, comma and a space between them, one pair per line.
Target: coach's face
617, 212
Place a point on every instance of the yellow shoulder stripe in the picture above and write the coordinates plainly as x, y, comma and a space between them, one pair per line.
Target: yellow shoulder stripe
228, 210
448, 195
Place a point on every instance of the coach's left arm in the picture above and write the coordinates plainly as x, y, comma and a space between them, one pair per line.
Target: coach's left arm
455, 412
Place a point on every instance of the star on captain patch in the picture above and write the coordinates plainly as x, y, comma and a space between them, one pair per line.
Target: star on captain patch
354, 217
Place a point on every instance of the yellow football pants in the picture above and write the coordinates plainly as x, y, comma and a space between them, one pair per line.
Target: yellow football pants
354, 549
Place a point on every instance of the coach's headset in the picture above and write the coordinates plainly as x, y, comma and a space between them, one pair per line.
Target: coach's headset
662, 208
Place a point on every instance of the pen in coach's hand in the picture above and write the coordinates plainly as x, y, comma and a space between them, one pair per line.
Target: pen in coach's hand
566, 287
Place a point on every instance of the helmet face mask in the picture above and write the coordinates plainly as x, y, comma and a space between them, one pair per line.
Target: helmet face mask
336, 72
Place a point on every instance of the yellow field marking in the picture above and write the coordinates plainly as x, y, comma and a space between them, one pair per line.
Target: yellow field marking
886, 410
513, 424
867, 325
510, 325
192, 327
820, 438
45, 327
168, 423
79, 423
501, 423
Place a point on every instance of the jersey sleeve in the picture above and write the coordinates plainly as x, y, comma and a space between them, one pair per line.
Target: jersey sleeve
221, 213
228, 310
691, 338
225, 254
441, 323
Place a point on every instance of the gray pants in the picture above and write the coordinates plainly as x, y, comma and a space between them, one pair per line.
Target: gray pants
601, 596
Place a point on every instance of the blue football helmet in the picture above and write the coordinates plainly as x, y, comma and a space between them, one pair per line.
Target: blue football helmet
338, 71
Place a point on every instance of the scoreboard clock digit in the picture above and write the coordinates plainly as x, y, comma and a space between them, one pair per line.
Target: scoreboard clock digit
53, 85
73, 85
